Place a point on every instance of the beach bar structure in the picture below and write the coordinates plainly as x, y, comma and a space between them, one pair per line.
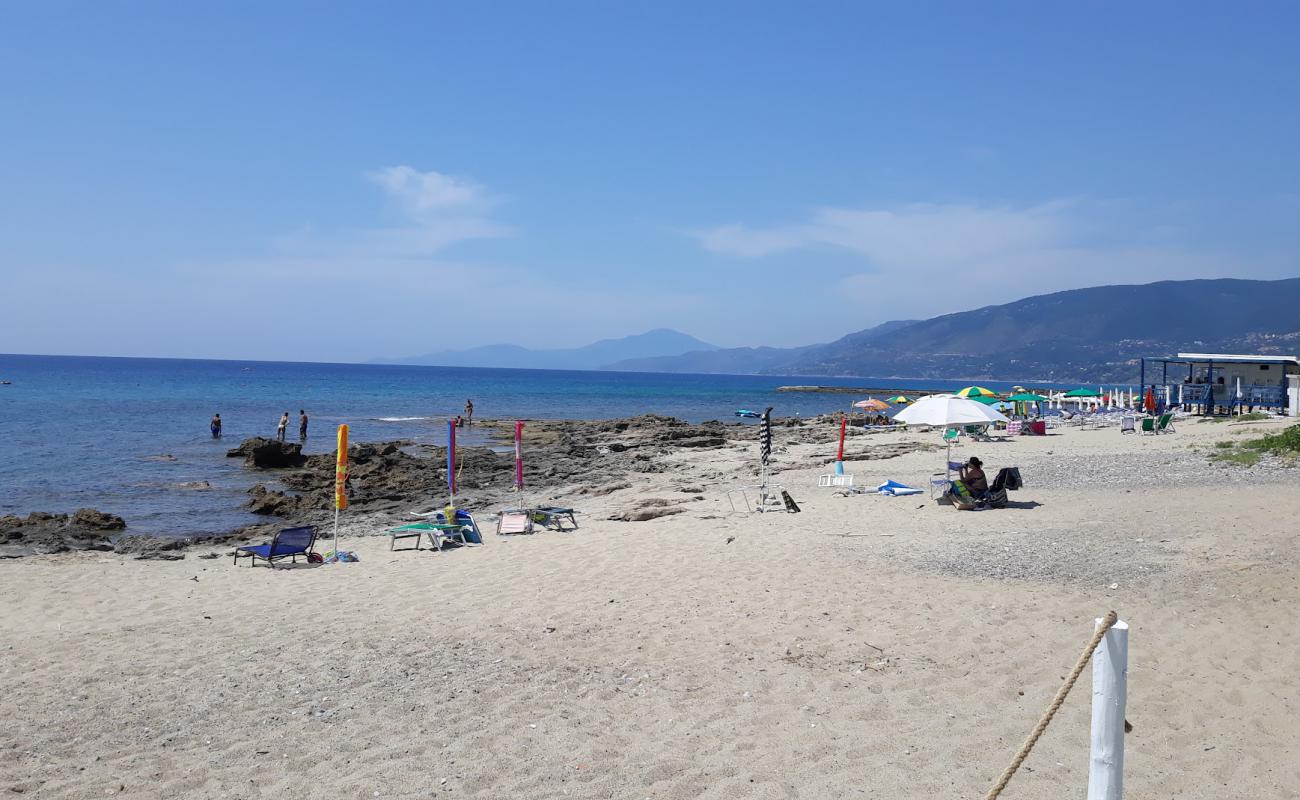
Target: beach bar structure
1221, 383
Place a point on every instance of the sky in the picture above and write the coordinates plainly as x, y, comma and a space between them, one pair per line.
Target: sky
347, 181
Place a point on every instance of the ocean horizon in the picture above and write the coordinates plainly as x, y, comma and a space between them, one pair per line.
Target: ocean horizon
130, 435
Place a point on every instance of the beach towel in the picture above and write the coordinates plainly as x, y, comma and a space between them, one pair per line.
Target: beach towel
896, 489
961, 496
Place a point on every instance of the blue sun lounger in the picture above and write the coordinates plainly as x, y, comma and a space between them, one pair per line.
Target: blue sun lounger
288, 543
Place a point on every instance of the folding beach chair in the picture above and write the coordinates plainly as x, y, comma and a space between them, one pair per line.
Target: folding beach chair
513, 521
466, 520
1015, 427
555, 516
835, 480
1165, 424
1148, 425
1128, 424
438, 532
288, 543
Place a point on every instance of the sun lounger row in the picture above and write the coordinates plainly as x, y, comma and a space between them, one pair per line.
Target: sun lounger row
291, 543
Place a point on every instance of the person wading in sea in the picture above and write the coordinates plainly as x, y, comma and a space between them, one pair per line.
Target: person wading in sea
282, 427
216, 426
302, 424
469, 412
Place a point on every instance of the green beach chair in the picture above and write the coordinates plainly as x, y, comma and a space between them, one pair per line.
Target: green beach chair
1148, 425
1166, 423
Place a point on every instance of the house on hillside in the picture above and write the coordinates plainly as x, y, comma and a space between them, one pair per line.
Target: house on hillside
1220, 383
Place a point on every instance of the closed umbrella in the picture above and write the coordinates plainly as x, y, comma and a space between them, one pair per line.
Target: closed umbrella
519, 456
340, 483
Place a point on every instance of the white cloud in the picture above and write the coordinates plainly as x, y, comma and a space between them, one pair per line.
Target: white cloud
423, 192
441, 211
921, 232
923, 259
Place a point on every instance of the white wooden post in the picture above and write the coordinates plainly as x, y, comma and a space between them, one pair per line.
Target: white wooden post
1109, 697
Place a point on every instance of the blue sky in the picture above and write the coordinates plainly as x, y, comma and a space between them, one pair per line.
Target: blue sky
328, 181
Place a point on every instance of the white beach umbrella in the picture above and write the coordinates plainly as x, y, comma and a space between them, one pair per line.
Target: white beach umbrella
1168, 395
1180, 394
946, 410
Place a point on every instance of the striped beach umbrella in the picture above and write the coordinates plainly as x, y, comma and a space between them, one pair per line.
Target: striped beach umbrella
972, 392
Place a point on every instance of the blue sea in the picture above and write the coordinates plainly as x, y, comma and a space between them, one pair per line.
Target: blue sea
87, 431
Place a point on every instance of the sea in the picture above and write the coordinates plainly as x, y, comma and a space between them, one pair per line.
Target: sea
130, 435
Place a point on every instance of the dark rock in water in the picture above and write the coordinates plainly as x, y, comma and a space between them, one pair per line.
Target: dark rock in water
161, 457
97, 520
269, 453
41, 532
269, 501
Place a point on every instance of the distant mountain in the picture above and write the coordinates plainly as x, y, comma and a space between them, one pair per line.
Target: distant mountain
745, 360
655, 343
1085, 335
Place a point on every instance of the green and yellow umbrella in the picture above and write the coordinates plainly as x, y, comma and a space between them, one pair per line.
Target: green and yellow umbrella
899, 400
973, 392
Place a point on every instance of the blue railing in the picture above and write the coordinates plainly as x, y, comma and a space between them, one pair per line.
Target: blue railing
1226, 395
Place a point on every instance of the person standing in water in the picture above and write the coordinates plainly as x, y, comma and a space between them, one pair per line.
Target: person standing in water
282, 427
469, 412
216, 426
302, 424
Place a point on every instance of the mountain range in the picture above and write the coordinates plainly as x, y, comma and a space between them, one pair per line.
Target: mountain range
660, 342
1081, 335
1095, 334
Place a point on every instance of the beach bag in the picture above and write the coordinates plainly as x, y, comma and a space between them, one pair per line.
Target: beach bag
997, 499
1008, 479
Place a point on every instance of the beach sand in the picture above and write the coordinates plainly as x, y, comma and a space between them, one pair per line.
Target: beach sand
701, 655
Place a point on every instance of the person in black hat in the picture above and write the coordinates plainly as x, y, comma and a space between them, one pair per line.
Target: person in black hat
972, 474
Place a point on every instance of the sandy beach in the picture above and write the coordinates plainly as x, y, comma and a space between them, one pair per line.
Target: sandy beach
868, 647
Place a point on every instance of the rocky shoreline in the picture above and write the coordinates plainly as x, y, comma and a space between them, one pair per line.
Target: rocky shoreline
590, 457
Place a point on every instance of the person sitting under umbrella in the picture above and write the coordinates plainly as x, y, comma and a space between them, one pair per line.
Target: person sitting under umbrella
973, 477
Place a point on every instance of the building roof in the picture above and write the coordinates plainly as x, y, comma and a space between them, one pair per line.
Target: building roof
1228, 358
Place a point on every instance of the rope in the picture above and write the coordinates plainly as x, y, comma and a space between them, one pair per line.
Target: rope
1108, 621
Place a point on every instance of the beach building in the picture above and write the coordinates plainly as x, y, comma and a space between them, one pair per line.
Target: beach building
1222, 383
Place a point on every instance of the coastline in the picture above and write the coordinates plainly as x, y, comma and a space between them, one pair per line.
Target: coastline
886, 644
